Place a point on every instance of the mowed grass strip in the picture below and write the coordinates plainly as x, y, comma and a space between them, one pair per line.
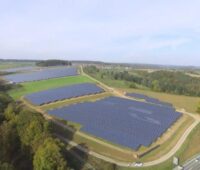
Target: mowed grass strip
31, 87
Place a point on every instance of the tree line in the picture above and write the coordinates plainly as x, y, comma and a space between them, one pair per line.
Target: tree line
174, 82
26, 142
48, 63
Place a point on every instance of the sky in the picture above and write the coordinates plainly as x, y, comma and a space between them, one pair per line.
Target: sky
128, 31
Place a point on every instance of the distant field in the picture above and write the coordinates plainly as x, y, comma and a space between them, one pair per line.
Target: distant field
187, 102
31, 87
7, 65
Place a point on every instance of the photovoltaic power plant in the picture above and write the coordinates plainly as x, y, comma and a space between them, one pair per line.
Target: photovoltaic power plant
62, 93
121, 121
149, 99
20, 69
42, 74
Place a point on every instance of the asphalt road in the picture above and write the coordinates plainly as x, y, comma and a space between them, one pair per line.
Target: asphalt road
193, 164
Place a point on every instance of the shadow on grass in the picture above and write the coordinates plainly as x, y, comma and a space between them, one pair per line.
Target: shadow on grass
76, 156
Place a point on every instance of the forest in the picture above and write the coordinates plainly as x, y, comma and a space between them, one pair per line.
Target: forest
175, 82
48, 63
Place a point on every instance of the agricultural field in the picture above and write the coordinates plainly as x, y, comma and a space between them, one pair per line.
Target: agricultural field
32, 87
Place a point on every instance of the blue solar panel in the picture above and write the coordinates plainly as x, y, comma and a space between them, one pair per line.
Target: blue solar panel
62, 93
122, 121
18, 69
41, 74
149, 99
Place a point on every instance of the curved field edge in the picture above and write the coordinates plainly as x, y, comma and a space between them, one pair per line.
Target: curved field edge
31, 87
190, 148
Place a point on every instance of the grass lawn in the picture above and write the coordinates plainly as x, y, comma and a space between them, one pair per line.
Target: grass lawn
191, 146
164, 166
31, 87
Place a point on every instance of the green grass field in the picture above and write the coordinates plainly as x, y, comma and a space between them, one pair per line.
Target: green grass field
31, 87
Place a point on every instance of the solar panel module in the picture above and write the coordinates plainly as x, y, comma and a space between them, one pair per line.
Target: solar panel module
42, 74
19, 69
121, 121
149, 99
62, 93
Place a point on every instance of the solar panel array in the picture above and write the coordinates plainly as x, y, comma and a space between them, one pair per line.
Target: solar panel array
149, 99
42, 74
121, 121
19, 69
62, 93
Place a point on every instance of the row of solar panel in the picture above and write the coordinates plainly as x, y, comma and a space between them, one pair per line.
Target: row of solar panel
21, 69
121, 121
42, 74
62, 93
149, 99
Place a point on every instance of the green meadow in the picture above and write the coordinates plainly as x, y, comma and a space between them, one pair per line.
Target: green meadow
31, 87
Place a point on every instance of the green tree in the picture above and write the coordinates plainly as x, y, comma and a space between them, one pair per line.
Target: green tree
155, 85
32, 128
49, 156
4, 101
9, 141
6, 166
10, 111
132, 85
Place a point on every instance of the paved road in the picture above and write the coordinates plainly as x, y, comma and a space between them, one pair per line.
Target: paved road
193, 164
120, 163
